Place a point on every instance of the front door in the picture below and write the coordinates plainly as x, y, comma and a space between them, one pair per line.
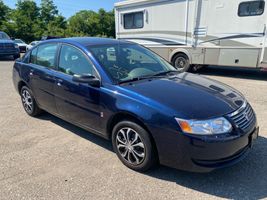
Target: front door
76, 102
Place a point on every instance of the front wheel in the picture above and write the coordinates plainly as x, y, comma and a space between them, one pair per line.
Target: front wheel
28, 102
181, 62
133, 146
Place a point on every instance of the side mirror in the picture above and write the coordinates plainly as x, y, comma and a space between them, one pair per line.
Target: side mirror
12, 38
89, 79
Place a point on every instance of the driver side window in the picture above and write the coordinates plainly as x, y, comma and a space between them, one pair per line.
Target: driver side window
73, 62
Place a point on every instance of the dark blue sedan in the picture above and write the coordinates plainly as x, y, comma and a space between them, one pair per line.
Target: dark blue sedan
128, 94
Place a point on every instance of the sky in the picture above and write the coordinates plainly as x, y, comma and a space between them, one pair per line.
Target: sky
69, 7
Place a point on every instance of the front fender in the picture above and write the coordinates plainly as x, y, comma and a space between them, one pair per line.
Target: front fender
150, 113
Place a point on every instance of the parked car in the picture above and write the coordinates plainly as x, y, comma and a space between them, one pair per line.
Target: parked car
50, 37
8, 47
150, 111
22, 45
32, 44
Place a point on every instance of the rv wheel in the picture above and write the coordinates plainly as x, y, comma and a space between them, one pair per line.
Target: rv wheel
181, 62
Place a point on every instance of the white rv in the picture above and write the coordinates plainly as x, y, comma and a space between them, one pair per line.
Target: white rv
197, 32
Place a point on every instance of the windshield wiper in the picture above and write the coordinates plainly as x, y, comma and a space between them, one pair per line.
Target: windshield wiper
136, 79
129, 80
157, 75
165, 73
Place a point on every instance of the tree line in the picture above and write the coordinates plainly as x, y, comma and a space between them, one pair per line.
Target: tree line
29, 22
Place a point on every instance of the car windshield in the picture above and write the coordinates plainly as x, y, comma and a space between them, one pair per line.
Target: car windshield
126, 62
18, 41
4, 36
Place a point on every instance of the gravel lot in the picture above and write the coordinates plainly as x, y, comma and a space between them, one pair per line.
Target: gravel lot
47, 158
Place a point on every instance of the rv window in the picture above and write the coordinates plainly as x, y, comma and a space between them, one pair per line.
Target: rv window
251, 8
134, 20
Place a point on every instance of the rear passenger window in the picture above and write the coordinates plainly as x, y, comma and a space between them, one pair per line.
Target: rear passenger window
251, 8
73, 62
134, 20
46, 55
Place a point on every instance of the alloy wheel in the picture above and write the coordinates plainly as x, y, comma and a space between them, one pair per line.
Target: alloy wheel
130, 146
180, 63
27, 101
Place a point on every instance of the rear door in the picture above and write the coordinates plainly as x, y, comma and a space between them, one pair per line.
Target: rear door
42, 75
77, 102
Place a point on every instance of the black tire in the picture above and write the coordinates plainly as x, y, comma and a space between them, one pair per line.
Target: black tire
148, 151
181, 62
28, 102
16, 56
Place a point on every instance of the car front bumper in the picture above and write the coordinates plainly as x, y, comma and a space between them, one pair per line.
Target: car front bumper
9, 52
203, 154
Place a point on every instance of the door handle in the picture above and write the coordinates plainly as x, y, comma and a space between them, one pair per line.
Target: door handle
31, 72
59, 82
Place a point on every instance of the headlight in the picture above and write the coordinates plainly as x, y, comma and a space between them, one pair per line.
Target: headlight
205, 127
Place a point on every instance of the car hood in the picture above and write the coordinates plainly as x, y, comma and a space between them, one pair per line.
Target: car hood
187, 95
6, 41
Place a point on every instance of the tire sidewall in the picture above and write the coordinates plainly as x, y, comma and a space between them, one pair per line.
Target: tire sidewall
149, 160
34, 110
187, 67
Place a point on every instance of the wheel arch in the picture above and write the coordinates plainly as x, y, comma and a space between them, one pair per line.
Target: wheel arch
21, 84
124, 115
180, 51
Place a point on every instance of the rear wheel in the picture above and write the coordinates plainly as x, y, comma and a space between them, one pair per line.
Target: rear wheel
181, 62
28, 102
133, 146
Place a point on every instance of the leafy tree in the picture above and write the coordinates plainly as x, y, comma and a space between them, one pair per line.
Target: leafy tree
110, 24
106, 24
57, 27
83, 23
25, 20
48, 11
53, 23
90, 23
4, 10
29, 21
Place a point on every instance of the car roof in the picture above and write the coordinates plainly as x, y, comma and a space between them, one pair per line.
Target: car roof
90, 41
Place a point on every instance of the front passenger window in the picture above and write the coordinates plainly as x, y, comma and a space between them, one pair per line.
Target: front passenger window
73, 62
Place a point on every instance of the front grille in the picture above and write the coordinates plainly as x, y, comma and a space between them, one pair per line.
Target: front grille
7, 46
244, 117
